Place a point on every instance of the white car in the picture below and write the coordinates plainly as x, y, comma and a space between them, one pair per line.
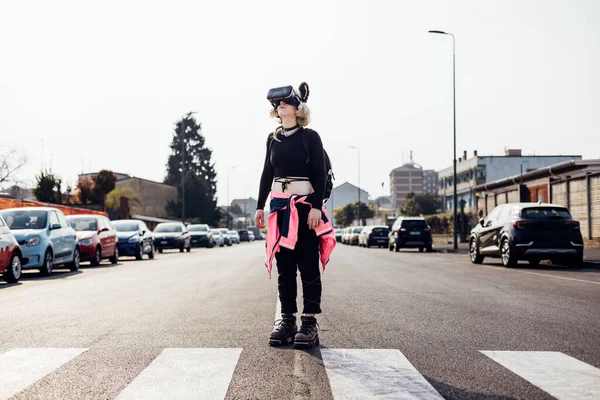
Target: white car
218, 237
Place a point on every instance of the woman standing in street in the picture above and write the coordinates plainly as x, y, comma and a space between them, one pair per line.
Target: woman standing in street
299, 233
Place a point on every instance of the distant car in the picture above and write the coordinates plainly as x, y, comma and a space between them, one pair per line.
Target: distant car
172, 235
244, 235
10, 255
201, 235
226, 236
354, 234
135, 239
411, 233
251, 236
256, 231
235, 237
375, 236
338, 234
218, 237
97, 238
46, 238
346, 235
528, 231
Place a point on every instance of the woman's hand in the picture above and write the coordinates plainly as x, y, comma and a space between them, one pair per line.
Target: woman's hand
259, 219
314, 218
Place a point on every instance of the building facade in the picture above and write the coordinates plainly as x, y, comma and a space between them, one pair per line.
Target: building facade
154, 196
342, 195
430, 182
404, 180
478, 170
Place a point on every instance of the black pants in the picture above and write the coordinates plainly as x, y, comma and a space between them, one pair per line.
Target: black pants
304, 257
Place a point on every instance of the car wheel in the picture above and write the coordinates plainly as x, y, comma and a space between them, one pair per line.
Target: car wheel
13, 272
151, 254
576, 262
474, 254
140, 252
48, 263
74, 265
97, 257
189, 248
181, 249
429, 249
421, 249
115, 258
391, 247
160, 250
509, 258
396, 247
534, 262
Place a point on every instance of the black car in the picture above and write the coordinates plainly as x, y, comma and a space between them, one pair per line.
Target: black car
244, 235
201, 235
527, 231
172, 235
376, 236
410, 233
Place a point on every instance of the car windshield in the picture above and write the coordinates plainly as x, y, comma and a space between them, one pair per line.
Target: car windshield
381, 231
225, 231
357, 230
414, 224
545, 213
218, 232
83, 224
125, 226
25, 219
167, 228
198, 228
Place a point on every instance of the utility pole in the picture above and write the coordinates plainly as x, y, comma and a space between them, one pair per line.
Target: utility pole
182, 138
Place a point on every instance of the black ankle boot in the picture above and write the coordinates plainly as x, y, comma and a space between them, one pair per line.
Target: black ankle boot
308, 334
284, 331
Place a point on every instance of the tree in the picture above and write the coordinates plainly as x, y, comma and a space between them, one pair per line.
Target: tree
345, 216
10, 162
86, 194
47, 188
200, 176
113, 199
421, 204
104, 183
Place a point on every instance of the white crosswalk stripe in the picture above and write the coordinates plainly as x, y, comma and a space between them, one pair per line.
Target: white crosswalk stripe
185, 374
374, 374
20, 368
558, 374
207, 373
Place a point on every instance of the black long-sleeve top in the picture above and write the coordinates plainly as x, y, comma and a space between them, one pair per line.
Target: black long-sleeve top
287, 158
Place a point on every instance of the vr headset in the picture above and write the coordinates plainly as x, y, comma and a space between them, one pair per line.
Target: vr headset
287, 94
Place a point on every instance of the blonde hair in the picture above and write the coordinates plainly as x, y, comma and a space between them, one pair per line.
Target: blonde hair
302, 117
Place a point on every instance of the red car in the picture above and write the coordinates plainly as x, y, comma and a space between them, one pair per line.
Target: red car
96, 236
10, 255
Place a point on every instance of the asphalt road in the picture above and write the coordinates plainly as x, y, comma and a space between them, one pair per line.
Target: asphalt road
395, 325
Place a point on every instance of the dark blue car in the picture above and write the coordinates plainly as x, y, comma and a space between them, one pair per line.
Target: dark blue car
135, 239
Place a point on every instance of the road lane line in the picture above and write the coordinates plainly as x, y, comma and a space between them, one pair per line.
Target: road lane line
374, 374
185, 373
558, 277
558, 374
23, 367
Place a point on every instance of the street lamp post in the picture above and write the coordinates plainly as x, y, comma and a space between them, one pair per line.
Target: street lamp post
358, 204
228, 204
455, 200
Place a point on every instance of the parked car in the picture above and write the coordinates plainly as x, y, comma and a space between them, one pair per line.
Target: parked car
172, 235
218, 237
338, 235
251, 236
256, 231
353, 235
227, 240
235, 237
244, 235
97, 238
375, 236
10, 255
201, 235
410, 233
46, 238
528, 231
346, 235
134, 238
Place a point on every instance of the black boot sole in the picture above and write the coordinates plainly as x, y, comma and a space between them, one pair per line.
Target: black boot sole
281, 342
308, 344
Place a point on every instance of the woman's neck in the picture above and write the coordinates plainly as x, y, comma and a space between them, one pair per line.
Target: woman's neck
289, 122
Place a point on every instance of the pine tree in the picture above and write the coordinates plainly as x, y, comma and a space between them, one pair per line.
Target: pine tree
48, 187
200, 176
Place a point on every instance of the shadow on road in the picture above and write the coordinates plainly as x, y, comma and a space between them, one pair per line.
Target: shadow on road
4, 285
524, 266
452, 392
29, 276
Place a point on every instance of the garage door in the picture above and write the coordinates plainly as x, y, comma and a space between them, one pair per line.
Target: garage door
559, 194
500, 198
513, 196
578, 203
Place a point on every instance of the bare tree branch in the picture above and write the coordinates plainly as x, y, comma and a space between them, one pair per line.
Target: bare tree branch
10, 162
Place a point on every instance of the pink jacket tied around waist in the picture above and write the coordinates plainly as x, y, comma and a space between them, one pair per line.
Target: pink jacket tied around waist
289, 232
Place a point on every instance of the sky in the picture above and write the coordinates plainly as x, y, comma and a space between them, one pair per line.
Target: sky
87, 86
